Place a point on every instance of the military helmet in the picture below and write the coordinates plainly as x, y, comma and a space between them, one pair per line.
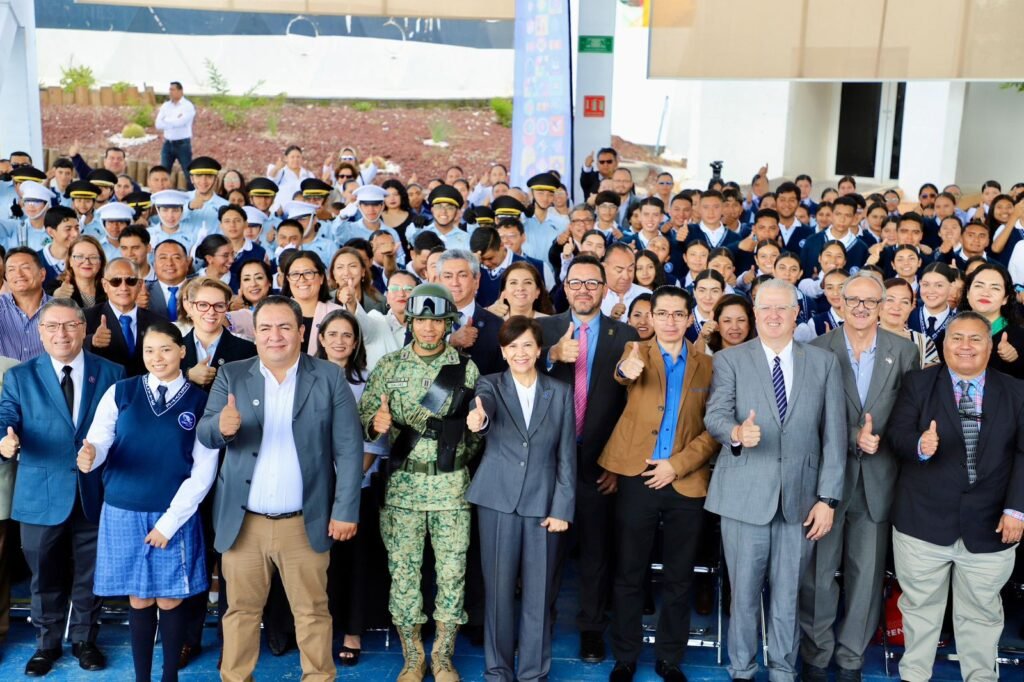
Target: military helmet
431, 301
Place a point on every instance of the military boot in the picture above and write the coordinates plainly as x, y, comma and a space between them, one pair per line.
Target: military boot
441, 655
415, 667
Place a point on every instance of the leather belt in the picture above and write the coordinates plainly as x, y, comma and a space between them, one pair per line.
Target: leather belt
276, 517
428, 468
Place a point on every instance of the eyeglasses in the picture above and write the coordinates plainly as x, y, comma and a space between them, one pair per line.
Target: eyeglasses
395, 288
665, 182
204, 306
608, 204
582, 221
868, 303
54, 327
305, 276
605, 162
82, 258
677, 315
345, 176
590, 284
118, 281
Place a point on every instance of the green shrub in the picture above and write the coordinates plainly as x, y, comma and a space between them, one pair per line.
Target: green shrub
120, 86
133, 130
439, 130
363, 107
142, 116
72, 77
502, 108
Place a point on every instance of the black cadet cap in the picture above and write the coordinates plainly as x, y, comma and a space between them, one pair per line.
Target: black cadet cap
138, 200
82, 189
445, 194
482, 215
507, 207
544, 181
23, 173
314, 187
262, 187
101, 177
204, 165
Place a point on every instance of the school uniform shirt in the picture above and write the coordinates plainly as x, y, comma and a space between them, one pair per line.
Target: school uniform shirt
204, 460
815, 327
455, 239
919, 320
288, 183
54, 268
183, 235
611, 299
19, 232
541, 234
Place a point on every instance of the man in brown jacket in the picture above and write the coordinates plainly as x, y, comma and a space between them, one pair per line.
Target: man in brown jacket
660, 451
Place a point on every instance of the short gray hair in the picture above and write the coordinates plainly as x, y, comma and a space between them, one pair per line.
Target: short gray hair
459, 254
118, 260
862, 275
584, 207
65, 303
970, 316
780, 285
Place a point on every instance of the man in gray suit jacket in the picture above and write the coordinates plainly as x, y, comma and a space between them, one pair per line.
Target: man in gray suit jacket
776, 407
289, 485
872, 363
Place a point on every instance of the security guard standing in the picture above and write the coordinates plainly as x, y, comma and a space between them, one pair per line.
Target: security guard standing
420, 395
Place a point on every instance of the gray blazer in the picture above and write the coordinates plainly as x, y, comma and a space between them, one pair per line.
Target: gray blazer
894, 357
7, 471
328, 439
529, 471
796, 461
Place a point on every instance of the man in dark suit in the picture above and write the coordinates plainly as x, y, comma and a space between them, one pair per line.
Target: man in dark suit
114, 329
172, 266
289, 485
46, 409
959, 430
872, 363
581, 347
476, 331
591, 177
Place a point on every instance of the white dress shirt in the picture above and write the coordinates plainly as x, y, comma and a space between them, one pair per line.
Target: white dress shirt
611, 299
77, 378
175, 119
466, 313
527, 397
786, 365
204, 460
277, 477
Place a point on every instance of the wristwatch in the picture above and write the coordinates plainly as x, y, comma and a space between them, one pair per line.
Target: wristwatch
830, 501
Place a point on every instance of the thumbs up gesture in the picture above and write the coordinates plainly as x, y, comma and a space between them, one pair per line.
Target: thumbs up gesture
619, 309
866, 440
65, 290
633, 366
929, 443
748, 434
230, 418
382, 418
1006, 350
101, 337
567, 349
465, 336
10, 444
142, 300
202, 374
476, 417
86, 457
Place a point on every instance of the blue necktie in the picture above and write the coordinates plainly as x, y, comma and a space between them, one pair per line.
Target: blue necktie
779, 382
172, 304
161, 398
129, 337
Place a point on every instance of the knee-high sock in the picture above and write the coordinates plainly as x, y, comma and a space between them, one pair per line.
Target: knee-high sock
173, 623
142, 627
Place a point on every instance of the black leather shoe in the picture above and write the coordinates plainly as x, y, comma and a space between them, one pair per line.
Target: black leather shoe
669, 672
591, 647
847, 675
475, 633
89, 656
281, 644
42, 662
622, 672
189, 653
812, 673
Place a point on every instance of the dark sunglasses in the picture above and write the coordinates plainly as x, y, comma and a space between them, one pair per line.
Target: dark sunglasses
346, 176
118, 281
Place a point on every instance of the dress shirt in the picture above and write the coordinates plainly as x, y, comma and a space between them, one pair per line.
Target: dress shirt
862, 368
466, 313
209, 351
787, 232
19, 333
277, 477
611, 298
77, 376
715, 236
166, 289
675, 369
527, 398
787, 364
175, 119
940, 318
846, 241
204, 460
56, 263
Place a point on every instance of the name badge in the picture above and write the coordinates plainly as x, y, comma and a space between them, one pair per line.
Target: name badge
397, 384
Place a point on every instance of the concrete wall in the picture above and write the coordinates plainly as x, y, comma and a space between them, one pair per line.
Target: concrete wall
811, 131
932, 122
20, 123
991, 142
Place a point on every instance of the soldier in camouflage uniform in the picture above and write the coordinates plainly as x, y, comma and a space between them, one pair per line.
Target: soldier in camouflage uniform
427, 486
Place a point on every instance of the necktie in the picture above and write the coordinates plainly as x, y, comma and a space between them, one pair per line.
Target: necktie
161, 398
930, 330
971, 427
779, 383
67, 387
172, 304
580, 384
126, 329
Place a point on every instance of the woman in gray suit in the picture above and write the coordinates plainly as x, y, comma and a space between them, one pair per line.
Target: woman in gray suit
525, 496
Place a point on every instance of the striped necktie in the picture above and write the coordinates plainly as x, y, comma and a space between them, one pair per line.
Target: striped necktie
580, 384
779, 383
971, 428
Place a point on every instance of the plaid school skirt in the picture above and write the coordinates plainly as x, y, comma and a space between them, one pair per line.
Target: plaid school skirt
125, 565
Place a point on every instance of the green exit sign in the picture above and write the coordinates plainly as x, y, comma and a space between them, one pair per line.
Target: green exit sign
602, 44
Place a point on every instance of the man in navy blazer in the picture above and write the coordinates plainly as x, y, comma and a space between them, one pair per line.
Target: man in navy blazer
172, 265
46, 408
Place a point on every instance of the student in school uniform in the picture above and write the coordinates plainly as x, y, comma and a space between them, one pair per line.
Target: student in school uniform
150, 537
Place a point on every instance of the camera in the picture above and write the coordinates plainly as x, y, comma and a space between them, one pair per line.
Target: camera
716, 169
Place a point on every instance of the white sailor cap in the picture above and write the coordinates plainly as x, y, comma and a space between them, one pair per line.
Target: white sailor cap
293, 210
370, 193
33, 191
254, 216
116, 212
169, 197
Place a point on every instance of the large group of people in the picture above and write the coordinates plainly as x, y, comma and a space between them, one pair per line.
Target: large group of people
356, 402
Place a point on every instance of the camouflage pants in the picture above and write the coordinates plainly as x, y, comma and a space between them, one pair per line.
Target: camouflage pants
404, 532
